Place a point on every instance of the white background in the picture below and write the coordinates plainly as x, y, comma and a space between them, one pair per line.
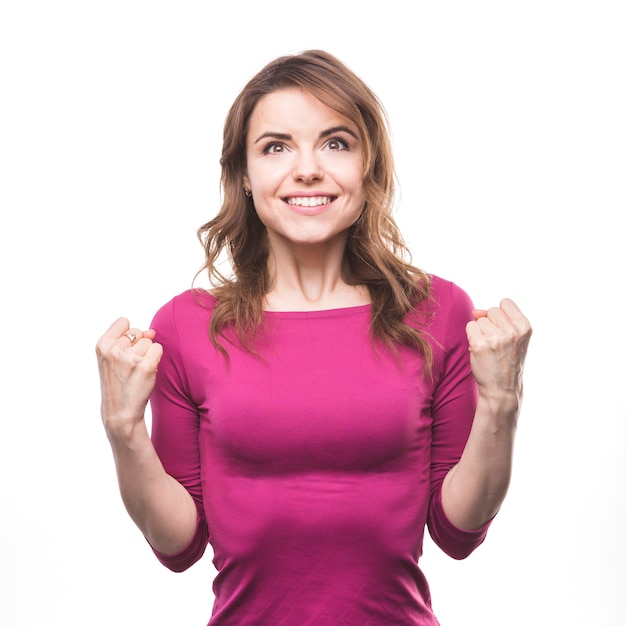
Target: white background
508, 122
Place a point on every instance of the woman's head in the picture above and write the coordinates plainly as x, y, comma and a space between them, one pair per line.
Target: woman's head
330, 81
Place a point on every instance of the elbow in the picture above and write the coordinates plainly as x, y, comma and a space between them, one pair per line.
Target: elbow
188, 556
459, 552
458, 543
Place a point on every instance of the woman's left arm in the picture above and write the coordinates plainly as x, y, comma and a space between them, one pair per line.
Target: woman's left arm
475, 487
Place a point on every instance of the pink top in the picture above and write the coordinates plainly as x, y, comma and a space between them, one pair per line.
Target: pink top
316, 465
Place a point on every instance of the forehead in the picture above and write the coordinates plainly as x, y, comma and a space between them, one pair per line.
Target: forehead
297, 108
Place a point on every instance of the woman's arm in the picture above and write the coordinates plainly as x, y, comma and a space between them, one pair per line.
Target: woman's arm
475, 487
161, 507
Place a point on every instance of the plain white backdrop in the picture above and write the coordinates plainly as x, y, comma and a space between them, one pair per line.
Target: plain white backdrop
509, 131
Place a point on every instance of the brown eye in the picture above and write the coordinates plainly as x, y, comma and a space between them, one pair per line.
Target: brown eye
337, 144
274, 148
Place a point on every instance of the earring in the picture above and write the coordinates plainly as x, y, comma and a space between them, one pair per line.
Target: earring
247, 191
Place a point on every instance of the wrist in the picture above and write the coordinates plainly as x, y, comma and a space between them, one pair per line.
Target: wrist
507, 399
498, 409
126, 432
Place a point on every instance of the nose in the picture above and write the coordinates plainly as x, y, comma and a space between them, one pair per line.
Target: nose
307, 167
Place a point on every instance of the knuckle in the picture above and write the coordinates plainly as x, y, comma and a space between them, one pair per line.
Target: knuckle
146, 366
103, 349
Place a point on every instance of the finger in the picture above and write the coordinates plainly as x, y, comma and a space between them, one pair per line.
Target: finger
474, 333
144, 341
477, 313
153, 356
142, 345
135, 335
511, 309
111, 336
516, 316
117, 328
498, 317
487, 325
130, 337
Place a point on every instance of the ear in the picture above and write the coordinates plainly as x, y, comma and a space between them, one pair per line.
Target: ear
246, 186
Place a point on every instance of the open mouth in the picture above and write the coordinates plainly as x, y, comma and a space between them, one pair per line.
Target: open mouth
309, 201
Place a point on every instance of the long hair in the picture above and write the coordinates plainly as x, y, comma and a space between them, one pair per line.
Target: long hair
375, 255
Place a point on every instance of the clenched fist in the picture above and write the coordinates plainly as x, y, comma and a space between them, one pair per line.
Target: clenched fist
127, 359
498, 341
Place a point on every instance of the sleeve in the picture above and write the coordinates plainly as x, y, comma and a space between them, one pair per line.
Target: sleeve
175, 428
454, 405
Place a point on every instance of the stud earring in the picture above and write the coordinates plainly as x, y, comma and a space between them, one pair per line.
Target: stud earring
247, 191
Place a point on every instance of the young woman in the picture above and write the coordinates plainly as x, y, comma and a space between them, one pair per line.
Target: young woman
325, 402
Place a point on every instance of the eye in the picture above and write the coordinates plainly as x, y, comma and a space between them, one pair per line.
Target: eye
337, 143
274, 147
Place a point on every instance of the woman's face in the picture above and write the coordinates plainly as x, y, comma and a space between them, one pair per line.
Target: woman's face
305, 169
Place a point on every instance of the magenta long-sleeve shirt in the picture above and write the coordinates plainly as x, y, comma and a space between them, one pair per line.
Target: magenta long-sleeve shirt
317, 464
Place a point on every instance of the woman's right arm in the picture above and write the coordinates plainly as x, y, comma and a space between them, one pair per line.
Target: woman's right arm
161, 507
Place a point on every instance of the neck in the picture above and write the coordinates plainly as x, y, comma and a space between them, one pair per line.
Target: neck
310, 277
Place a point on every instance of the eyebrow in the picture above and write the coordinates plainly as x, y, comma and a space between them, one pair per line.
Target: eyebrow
322, 135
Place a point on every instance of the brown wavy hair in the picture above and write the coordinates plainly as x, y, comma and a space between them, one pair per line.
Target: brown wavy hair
375, 255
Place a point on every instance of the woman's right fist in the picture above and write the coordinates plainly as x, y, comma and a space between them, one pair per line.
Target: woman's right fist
128, 360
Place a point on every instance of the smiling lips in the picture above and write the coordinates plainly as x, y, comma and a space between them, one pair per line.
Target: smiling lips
309, 201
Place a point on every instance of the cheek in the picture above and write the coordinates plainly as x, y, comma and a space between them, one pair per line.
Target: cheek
265, 177
354, 178
359, 191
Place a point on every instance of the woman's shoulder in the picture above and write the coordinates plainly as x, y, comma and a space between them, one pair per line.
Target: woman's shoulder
185, 309
448, 309
447, 293
191, 300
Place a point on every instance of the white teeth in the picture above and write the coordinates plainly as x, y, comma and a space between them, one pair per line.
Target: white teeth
309, 201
